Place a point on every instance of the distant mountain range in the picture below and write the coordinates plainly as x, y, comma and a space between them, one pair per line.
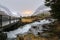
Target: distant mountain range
41, 9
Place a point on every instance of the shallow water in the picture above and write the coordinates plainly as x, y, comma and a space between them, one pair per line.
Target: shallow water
25, 28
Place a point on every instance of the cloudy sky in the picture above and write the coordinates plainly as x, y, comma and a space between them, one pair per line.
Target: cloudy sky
22, 5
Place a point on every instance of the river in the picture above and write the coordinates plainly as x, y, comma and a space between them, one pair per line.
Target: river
25, 28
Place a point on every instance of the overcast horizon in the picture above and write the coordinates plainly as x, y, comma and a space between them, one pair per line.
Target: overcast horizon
22, 5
